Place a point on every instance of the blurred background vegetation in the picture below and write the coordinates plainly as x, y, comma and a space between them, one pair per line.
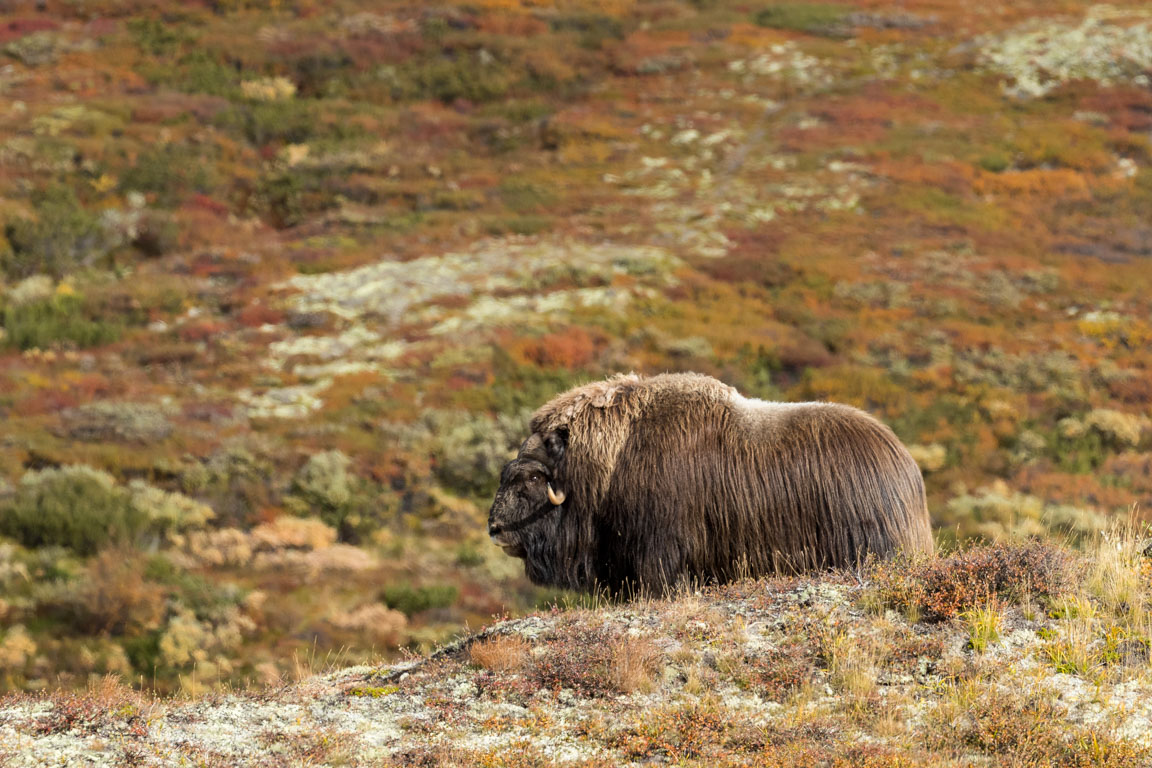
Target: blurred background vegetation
282, 282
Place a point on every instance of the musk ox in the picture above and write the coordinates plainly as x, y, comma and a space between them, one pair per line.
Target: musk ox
645, 482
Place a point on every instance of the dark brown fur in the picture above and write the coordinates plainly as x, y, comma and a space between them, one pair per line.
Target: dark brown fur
678, 476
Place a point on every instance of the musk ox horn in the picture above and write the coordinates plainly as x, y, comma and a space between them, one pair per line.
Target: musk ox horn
557, 498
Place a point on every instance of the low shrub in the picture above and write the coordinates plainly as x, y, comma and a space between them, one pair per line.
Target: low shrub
169, 173
995, 511
325, 488
942, 587
60, 319
286, 121
411, 600
82, 509
811, 18
477, 78
75, 507
114, 597
1022, 728
236, 482
593, 30
596, 661
470, 450
117, 422
60, 237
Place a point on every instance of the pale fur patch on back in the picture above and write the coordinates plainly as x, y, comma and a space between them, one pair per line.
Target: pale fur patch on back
762, 416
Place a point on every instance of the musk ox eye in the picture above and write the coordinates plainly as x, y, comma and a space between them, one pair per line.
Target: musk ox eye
534, 477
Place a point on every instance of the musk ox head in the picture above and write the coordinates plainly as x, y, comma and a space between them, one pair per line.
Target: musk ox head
525, 514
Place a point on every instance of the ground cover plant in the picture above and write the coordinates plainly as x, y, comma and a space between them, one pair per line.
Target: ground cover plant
281, 282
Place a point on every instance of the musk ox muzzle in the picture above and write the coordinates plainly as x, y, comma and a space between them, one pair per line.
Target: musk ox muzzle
647, 482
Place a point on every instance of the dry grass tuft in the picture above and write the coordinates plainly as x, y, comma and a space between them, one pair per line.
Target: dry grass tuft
1021, 728
1119, 576
984, 624
503, 653
635, 661
851, 665
107, 705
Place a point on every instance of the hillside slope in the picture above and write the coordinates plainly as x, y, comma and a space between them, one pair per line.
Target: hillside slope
1008, 654
281, 280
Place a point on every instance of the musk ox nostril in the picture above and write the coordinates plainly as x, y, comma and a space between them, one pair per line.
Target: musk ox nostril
493, 530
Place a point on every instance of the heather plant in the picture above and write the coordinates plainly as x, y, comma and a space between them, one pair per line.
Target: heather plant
943, 587
813, 18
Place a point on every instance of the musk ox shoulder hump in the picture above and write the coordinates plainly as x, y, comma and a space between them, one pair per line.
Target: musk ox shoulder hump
623, 397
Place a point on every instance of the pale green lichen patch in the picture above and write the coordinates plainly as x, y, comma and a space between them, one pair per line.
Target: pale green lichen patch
1109, 46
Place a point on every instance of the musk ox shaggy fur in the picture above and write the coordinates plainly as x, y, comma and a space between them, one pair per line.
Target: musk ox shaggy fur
645, 482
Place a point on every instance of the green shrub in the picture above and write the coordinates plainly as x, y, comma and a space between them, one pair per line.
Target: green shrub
158, 38
38, 48
526, 198
288, 121
323, 74
201, 71
470, 450
811, 18
206, 599
143, 651
995, 512
168, 513
84, 510
457, 75
411, 600
59, 238
324, 487
325, 481
518, 225
169, 172
237, 484
60, 318
592, 30
517, 111
75, 507
287, 198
